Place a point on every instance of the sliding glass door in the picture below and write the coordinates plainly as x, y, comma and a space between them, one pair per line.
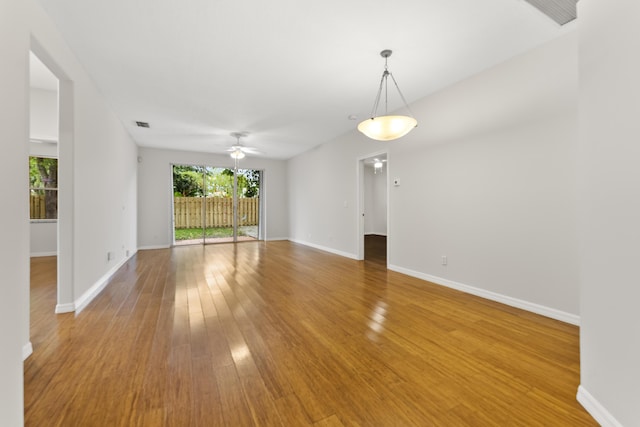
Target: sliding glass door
248, 204
215, 205
188, 195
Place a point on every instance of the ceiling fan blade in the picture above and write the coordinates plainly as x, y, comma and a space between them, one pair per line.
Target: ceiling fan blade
250, 150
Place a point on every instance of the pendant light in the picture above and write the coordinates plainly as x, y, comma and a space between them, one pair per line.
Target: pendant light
387, 128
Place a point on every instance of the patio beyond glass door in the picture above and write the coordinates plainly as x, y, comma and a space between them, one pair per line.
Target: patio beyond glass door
215, 205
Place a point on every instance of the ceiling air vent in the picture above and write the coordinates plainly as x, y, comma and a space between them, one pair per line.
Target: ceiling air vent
561, 11
142, 124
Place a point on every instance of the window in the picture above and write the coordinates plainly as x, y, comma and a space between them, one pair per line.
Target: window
43, 188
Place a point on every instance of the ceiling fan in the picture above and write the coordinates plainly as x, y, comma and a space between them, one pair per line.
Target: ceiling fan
238, 151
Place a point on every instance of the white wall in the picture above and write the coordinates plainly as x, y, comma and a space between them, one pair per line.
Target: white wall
375, 187
105, 189
610, 210
100, 178
97, 170
499, 206
155, 192
487, 179
369, 213
322, 194
43, 125
14, 224
43, 239
43, 114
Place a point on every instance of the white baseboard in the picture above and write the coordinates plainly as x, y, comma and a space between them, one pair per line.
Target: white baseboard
27, 350
147, 248
102, 283
595, 409
493, 296
326, 249
273, 239
65, 308
41, 254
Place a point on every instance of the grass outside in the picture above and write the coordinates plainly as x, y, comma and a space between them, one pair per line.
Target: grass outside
211, 232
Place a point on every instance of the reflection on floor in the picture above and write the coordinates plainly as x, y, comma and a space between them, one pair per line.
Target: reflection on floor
43, 299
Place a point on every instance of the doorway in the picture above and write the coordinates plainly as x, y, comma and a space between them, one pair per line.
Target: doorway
50, 137
373, 209
43, 194
215, 204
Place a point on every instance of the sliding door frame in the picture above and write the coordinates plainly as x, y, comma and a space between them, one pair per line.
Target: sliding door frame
235, 201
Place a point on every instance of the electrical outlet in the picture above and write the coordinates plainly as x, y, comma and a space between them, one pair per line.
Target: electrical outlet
444, 260
109, 256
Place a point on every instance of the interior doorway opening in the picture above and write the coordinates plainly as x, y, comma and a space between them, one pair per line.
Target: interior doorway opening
373, 208
43, 180
51, 133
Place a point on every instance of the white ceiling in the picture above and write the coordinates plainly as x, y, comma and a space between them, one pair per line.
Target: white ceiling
288, 72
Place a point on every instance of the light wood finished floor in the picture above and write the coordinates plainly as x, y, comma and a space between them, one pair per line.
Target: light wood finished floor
281, 334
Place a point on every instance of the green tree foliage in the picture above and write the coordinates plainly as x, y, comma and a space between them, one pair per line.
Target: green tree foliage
252, 182
43, 179
220, 182
188, 182
43, 172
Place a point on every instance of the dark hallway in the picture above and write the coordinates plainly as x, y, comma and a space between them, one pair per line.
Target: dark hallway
375, 249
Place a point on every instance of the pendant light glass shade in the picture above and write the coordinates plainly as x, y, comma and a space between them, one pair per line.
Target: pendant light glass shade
387, 128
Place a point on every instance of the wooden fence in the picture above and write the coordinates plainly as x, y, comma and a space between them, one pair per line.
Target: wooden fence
187, 212
37, 206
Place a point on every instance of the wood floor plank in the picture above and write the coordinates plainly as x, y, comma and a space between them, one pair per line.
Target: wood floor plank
235, 410
332, 421
207, 408
277, 333
291, 411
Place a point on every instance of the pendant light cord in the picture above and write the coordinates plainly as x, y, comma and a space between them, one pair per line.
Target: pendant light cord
383, 81
406, 105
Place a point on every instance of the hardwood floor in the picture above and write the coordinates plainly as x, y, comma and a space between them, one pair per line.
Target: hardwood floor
281, 334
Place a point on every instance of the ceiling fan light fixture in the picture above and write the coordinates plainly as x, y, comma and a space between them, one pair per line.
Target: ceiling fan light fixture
386, 127
237, 151
237, 154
